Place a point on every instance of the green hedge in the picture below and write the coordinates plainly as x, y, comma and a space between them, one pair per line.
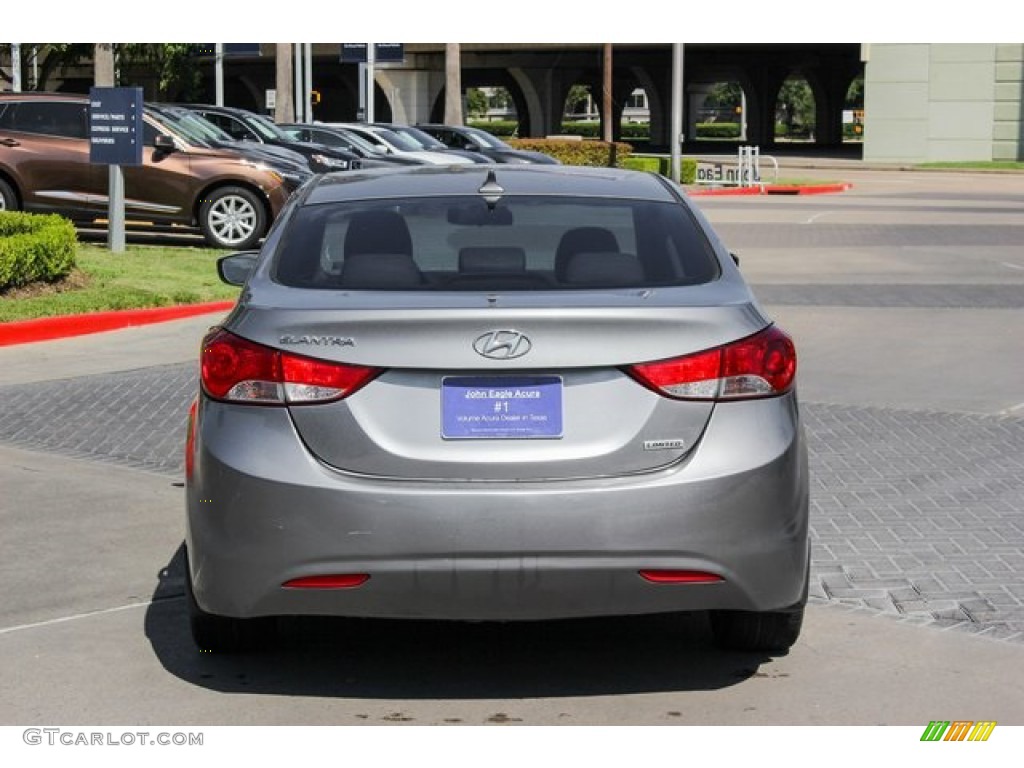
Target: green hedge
663, 165
495, 127
591, 129
718, 130
34, 247
574, 152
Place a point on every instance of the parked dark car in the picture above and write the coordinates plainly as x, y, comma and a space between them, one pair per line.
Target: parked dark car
201, 131
335, 136
484, 143
479, 393
429, 143
242, 124
44, 166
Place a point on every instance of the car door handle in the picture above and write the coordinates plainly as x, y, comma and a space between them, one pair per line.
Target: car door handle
10, 142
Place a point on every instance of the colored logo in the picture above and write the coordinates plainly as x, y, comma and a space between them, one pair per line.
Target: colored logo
958, 730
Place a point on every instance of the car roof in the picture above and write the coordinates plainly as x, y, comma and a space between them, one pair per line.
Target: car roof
432, 181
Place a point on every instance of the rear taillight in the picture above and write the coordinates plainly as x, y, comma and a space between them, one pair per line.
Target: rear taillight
241, 371
762, 365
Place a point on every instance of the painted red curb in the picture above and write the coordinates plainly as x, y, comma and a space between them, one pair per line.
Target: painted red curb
773, 189
48, 328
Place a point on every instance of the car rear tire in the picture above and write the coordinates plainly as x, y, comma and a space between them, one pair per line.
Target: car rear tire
232, 217
223, 634
8, 200
771, 631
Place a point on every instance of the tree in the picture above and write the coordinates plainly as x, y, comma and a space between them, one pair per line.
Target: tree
476, 102
50, 58
174, 66
724, 96
576, 100
795, 105
855, 94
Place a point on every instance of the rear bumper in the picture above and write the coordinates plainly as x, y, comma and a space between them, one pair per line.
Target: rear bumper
262, 511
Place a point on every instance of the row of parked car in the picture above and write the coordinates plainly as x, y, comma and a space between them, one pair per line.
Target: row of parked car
224, 170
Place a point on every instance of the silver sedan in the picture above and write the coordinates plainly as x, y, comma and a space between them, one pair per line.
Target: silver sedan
495, 393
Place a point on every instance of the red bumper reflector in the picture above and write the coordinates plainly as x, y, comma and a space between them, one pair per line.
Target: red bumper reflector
329, 581
681, 577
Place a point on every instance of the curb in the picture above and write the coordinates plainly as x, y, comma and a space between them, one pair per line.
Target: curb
774, 189
63, 326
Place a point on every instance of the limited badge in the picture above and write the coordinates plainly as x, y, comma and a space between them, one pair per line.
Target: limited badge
663, 445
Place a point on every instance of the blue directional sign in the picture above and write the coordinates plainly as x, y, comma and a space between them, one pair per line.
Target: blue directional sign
355, 53
115, 126
386, 52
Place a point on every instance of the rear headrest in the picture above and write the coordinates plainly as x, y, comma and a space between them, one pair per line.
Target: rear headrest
583, 240
377, 232
381, 271
604, 270
490, 259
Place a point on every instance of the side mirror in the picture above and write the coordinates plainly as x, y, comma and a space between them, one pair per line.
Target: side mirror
164, 143
235, 268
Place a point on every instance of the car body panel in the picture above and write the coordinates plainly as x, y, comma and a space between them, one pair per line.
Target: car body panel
500, 551
468, 138
498, 526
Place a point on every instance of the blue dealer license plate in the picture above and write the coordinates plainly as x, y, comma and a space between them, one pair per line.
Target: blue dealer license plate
486, 407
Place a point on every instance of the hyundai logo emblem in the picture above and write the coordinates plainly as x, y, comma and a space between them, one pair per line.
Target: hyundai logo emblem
502, 345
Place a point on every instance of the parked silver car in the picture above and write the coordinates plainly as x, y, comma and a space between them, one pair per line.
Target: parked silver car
495, 393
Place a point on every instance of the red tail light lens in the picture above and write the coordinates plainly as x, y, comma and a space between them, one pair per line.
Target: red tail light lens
241, 371
762, 365
680, 577
329, 581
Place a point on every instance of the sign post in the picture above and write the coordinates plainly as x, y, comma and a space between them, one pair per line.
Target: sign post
366, 55
115, 139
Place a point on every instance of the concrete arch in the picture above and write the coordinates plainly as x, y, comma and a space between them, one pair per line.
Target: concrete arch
531, 119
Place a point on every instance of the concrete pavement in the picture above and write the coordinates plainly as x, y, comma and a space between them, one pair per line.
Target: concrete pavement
903, 295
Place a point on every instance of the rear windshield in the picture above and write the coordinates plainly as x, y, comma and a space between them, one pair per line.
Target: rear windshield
517, 243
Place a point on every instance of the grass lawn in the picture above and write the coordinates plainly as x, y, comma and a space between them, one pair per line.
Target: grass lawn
994, 165
142, 276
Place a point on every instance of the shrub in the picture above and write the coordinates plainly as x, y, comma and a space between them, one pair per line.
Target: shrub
571, 152
591, 129
718, 130
495, 127
663, 165
34, 247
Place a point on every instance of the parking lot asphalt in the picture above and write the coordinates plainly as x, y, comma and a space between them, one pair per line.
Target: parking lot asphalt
906, 299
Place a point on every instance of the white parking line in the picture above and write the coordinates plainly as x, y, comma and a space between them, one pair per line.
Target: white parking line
1012, 266
76, 616
817, 216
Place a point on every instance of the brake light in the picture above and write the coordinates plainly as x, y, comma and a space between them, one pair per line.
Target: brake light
328, 581
680, 577
762, 365
241, 371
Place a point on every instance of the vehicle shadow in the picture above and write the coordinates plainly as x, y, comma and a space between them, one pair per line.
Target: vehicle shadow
389, 659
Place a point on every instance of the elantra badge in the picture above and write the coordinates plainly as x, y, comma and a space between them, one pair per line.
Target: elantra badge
319, 341
502, 345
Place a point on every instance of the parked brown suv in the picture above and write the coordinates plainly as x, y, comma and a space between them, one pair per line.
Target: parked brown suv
44, 166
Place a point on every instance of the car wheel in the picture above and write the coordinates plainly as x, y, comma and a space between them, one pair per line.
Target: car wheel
223, 634
232, 217
8, 200
772, 631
